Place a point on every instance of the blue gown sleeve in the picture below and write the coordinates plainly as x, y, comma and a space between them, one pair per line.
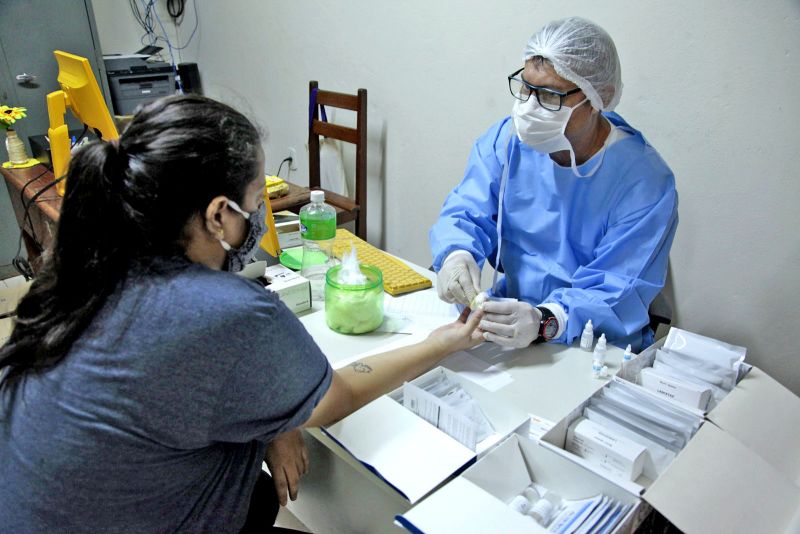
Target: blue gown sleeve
469, 216
629, 268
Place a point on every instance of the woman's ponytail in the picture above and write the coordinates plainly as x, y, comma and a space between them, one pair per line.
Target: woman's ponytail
127, 204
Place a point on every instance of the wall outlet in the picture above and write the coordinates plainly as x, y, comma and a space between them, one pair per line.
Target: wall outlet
293, 163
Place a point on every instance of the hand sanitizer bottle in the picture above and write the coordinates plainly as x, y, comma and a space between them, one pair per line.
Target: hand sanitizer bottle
318, 230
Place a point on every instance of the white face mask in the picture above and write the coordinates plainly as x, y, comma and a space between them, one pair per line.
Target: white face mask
543, 130
540, 128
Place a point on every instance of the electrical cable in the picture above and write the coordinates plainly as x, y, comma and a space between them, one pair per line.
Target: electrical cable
289, 159
26, 215
175, 8
21, 264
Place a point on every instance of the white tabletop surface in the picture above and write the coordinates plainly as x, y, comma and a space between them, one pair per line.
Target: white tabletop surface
547, 380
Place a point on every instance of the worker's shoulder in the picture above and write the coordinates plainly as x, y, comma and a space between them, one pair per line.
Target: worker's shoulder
636, 158
497, 131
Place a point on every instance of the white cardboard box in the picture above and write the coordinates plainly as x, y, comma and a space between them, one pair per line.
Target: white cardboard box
475, 501
10, 295
291, 287
739, 473
287, 226
6, 326
408, 453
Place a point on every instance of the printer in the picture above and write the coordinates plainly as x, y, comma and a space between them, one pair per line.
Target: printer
133, 81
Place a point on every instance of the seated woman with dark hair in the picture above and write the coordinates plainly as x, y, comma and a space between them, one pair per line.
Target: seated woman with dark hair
143, 382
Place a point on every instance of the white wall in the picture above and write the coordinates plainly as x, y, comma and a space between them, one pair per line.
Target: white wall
713, 85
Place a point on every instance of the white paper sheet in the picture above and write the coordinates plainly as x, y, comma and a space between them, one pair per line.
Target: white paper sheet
416, 459
424, 309
478, 371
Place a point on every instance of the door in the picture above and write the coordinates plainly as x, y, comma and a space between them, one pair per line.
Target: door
32, 29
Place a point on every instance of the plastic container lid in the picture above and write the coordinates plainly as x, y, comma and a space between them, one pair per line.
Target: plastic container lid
292, 258
317, 196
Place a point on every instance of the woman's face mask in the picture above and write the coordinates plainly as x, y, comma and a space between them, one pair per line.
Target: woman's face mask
237, 258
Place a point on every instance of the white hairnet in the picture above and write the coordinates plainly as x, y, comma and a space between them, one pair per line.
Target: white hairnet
583, 53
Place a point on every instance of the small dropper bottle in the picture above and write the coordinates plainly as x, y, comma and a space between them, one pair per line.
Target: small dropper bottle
600, 350
587, 338
628, 356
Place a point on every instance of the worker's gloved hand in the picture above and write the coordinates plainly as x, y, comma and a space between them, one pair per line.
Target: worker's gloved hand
287, 459
510, 323
459, 279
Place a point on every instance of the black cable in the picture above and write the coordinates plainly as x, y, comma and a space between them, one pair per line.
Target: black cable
21, 264
289, 159
26, 215
175, 8
81, 136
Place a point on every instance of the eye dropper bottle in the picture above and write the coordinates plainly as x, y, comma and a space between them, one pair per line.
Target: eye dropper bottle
587, 337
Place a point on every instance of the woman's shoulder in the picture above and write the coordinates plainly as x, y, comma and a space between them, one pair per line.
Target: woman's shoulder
193, 286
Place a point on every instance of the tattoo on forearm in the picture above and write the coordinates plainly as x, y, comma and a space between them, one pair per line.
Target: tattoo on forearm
359, 367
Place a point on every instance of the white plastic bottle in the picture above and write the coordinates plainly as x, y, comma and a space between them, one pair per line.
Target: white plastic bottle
318, 230
628, 355
587, 337
541, 512
600, 350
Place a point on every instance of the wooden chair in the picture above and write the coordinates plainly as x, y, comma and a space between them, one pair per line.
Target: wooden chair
347, 209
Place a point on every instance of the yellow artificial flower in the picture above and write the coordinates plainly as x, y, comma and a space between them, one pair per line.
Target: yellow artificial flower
10, 115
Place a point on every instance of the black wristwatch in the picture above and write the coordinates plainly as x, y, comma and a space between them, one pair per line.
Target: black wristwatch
548, 326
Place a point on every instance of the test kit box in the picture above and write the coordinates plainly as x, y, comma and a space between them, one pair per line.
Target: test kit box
743, 463
476, 501
291, 287
287, 226
410, 454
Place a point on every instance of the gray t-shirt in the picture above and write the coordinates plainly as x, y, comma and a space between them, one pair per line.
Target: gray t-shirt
157, 419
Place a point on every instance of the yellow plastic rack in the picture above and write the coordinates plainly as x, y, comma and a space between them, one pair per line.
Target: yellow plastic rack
398, 278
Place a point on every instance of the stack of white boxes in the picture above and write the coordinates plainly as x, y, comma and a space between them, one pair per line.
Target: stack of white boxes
740, 472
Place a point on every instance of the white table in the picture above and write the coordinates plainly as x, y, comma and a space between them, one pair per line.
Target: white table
340, 495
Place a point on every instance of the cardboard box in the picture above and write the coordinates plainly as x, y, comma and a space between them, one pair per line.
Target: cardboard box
408, 453
475, 502
740, 471
292, 289
287, 225
6, 326
629, 371
11, 292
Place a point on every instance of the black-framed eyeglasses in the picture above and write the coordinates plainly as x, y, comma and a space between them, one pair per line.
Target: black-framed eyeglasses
547, 98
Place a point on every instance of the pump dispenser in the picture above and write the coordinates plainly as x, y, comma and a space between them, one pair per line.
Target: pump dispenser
587, 338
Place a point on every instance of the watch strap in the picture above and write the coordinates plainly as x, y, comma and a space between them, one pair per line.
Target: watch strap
548, 318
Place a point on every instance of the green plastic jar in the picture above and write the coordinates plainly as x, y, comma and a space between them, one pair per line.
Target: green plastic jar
354, 309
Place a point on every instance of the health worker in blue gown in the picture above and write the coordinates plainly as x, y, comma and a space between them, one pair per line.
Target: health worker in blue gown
577, 206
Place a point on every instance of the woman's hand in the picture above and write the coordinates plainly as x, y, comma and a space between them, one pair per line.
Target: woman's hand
460, 335
287, 459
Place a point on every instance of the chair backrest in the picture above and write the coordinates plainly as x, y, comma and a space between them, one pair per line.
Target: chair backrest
356, 136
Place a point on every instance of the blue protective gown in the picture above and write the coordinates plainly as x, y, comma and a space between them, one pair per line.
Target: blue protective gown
597, 246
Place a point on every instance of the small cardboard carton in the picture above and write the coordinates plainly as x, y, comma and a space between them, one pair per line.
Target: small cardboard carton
738, 473
410, 454
291, 287
476, 502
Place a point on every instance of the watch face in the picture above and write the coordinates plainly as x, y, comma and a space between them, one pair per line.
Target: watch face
550, 328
